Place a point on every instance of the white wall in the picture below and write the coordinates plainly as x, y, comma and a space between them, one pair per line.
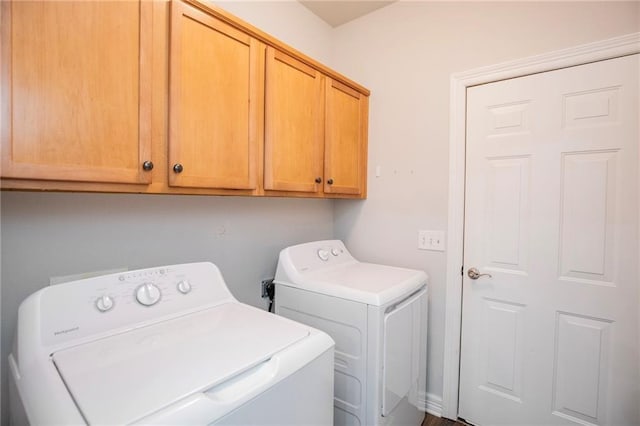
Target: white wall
405, 54
53, 234
287, 21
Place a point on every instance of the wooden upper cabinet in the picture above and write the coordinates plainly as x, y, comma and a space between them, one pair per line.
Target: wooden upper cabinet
345, 157
76, 90
294, 125
93, 92
216, 80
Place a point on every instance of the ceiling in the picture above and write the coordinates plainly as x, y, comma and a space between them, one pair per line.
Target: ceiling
337, 13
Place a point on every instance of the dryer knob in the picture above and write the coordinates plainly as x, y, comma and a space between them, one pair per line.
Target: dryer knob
323, 254
148, 294
335, 251
184, 286
104, 303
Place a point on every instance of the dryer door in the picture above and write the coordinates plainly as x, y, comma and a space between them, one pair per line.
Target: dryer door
401, 351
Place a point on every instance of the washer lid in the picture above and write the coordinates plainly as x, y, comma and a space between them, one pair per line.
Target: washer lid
368, 283
123, 378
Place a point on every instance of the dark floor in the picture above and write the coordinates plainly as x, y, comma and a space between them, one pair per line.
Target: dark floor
430, 420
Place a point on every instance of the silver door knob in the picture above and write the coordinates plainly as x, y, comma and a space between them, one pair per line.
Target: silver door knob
474, 274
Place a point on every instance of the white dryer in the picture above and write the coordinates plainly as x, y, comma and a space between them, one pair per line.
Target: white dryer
377, 316
167, 345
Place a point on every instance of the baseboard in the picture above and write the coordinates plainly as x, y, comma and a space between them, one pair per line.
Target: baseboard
430, 403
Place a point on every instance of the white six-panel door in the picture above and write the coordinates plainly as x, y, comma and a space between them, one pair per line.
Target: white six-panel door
551, 212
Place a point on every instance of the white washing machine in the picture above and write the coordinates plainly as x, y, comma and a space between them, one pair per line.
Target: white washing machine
167, 345
377, 316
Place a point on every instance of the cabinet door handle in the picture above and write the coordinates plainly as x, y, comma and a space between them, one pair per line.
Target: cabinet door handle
330, 181
178, 168
147, 166
318, 180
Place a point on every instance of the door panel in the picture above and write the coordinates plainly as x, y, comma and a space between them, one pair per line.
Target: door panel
79, 108
214, 86
552, 214
294, 133
587, 217
507, 218
581, 376
503, 325
345, 144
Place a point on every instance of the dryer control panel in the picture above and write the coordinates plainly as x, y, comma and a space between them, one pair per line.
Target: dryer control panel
317, 255
90, 307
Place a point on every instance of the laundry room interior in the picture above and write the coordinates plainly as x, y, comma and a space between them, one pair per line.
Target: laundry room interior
404, 53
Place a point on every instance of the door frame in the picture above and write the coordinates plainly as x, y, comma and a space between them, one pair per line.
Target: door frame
579, 55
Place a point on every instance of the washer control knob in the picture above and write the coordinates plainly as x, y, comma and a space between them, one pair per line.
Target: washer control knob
323, 254
335, 251
184, 286
104, 303
148, 294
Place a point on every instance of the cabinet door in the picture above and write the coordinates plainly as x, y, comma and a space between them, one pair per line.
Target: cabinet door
345, 155
215, 84
294, 118
76, 90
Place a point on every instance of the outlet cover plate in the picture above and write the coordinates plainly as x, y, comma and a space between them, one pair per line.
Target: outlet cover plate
431, 240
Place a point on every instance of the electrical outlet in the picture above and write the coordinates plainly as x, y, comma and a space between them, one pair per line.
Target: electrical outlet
267, 285
431, 240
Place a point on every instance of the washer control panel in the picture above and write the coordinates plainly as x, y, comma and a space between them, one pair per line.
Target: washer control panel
82, 307
146, 287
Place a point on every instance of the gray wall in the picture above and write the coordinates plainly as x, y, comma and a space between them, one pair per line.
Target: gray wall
57, 234
53, 234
